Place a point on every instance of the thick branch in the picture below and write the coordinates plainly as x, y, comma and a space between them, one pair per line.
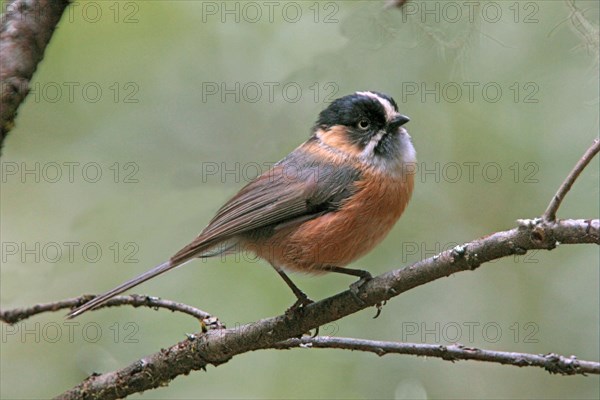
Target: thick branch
26, 29
552, 363
219, 346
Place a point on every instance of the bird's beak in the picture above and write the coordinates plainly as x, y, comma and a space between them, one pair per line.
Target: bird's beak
397, 122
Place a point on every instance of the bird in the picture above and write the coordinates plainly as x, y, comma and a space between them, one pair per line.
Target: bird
327, 203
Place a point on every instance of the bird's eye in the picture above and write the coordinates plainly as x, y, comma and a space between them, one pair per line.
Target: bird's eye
364, 124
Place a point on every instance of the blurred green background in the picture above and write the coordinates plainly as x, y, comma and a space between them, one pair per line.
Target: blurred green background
165, 106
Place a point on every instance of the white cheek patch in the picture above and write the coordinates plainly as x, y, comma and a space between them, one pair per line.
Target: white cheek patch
407, 150
395, 166
367, 152
390, 113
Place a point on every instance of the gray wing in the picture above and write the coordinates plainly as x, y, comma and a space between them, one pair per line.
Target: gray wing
288, 191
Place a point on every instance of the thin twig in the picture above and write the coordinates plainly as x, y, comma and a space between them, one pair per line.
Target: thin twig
553, 363
19, 314
586, 30
550, 214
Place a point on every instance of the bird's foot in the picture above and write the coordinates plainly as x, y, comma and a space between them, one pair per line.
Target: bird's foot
299, 305
356, 286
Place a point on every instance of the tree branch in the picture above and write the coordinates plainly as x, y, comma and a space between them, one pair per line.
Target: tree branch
219, 346
135, 300
25, 30
550, 214
553, 363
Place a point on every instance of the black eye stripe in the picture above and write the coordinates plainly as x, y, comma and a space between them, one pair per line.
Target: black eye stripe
350, 110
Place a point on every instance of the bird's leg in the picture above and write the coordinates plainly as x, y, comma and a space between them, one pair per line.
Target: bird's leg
302, 298
364, 276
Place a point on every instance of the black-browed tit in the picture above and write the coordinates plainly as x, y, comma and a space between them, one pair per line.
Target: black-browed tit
325, 204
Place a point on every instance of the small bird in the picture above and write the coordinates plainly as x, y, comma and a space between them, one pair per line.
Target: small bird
327, 203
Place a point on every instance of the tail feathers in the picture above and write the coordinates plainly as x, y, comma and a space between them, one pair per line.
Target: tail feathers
96, 301
224, 248
195, 249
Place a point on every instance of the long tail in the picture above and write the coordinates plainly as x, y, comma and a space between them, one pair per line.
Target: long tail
198, 248
96, 301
